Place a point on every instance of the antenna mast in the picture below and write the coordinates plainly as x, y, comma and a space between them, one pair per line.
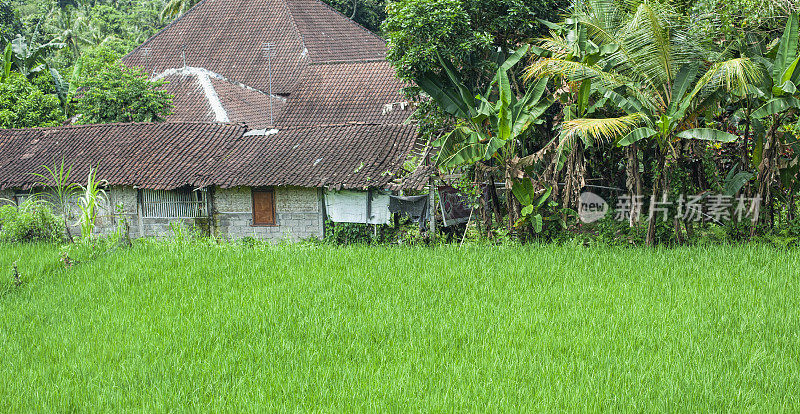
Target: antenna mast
268, 49
183, 53
146, 56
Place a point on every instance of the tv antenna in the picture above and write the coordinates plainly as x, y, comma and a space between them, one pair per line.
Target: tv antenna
146, 57
268, 50
183, 54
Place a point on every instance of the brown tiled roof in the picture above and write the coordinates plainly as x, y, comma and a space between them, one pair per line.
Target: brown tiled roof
172, 155
155, 156
338, 156
236, 103
226, 37
337, 93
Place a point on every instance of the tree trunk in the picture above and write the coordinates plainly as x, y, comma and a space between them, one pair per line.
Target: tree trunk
495, 201
575, 178
660, 188
766, 170
633, 178
511, 201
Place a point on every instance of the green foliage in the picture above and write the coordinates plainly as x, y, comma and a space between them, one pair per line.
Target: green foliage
121, 94
29, 57
32, 221
22, 105
368, 13
61, 189
175, 8
418, 29
92, 197
465, 31
357, 233
487, 129
10, 24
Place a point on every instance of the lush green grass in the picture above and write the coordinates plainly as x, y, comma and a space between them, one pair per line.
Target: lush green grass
170, 327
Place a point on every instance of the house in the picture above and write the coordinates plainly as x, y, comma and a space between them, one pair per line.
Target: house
219, 177
277, 103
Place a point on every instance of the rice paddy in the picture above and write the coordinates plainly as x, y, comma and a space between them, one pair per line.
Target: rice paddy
199, 327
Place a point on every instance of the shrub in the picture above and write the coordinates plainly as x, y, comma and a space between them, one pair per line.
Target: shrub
32, 221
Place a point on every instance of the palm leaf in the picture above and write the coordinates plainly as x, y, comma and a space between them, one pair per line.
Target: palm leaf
600, 129
787, 49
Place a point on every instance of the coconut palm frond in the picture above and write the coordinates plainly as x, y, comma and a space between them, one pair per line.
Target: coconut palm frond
738, 75
600, 129
573, 71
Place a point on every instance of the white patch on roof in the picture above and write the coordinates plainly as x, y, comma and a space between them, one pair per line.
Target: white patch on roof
204, 77
261, 132
221, 115
389, 107
195, 71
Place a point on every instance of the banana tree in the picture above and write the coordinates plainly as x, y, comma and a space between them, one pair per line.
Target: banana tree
781, 98
571, 41
656, 81
492, 125
28, 58
66, 88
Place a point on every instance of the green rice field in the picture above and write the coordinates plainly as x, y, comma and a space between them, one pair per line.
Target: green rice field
198, 327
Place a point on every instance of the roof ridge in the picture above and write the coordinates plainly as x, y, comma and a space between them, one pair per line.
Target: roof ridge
343, 125
121, 124
294, 24
343, 62
337, 12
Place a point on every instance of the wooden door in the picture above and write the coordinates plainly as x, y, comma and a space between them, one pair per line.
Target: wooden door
263, 208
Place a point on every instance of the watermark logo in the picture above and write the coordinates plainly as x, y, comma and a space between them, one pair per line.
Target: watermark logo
704, 207
591, 207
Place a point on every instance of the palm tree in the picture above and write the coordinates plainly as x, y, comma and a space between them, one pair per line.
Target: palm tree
779, 92
656, 75
175, 8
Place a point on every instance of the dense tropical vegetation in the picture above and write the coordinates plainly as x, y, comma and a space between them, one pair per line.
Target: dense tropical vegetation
663, 103
644, 102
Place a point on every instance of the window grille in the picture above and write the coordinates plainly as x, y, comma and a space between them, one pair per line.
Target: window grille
183, 203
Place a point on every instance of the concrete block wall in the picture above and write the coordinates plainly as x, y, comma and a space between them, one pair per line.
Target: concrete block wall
298, 211
299, 215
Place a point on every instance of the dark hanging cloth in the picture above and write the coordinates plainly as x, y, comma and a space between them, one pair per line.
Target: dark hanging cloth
415, 208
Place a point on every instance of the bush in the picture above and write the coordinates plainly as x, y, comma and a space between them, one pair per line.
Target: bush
358, 233
32, 221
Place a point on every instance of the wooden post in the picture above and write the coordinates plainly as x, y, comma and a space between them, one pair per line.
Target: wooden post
432, 209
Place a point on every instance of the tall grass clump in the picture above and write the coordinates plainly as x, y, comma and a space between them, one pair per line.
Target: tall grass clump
62, 191
30, 221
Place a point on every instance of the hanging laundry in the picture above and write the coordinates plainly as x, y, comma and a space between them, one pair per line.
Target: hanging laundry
455, 207
414, 207
371, 207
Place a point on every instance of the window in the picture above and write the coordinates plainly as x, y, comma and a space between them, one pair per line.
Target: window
263, 207
183, 203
